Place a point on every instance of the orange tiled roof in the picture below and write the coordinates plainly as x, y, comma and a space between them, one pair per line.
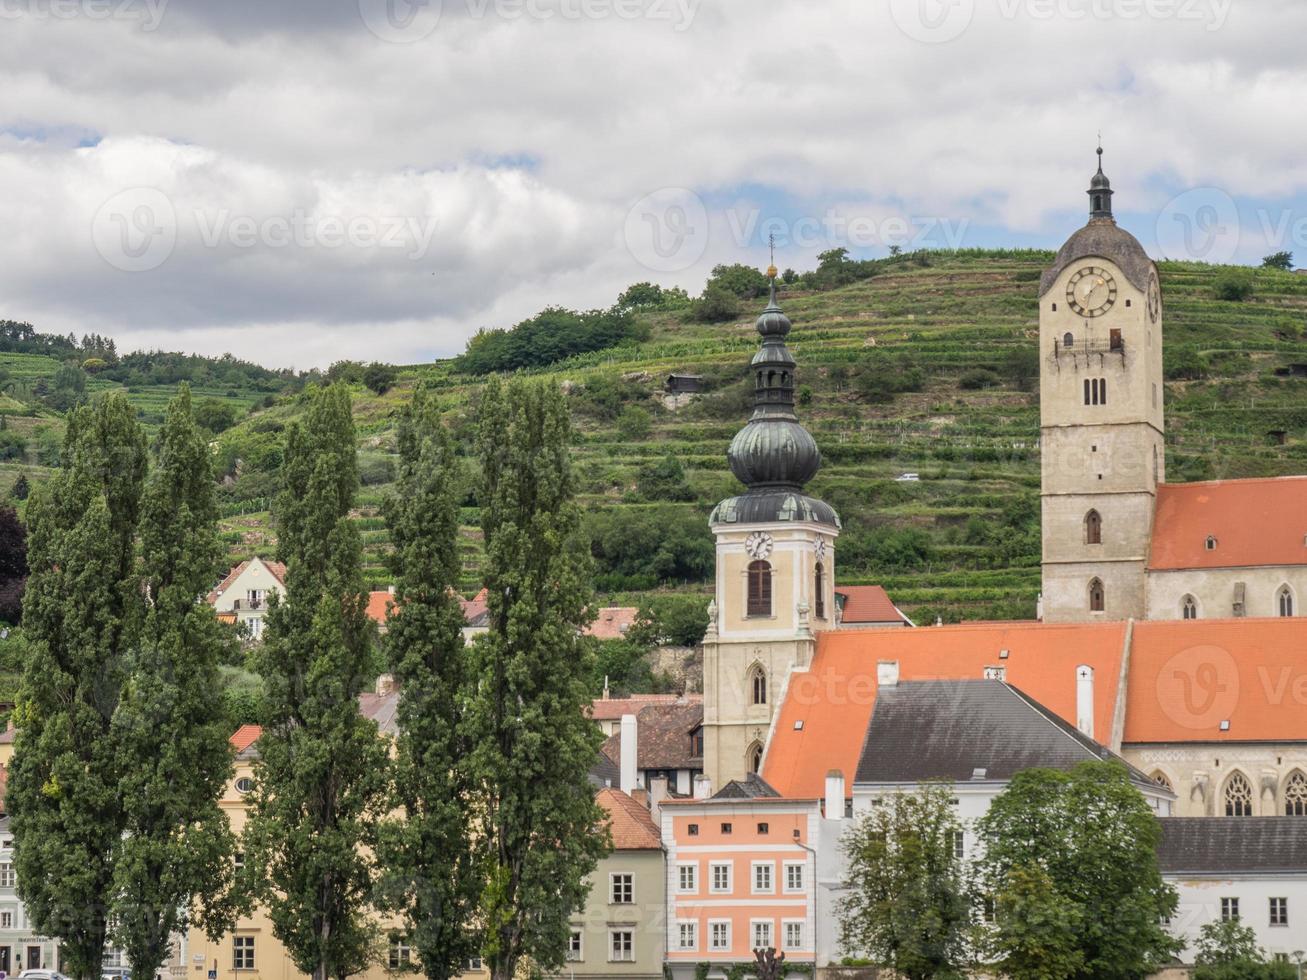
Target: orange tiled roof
612, 709
1188, 677
1255, 522
245, 736
613, 622
277, 568
379, 604
631, 825
834, 698
867, 604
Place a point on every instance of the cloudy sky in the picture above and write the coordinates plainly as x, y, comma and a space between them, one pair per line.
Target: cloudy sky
298, 181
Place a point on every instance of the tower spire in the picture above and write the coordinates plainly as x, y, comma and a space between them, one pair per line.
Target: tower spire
1100, 190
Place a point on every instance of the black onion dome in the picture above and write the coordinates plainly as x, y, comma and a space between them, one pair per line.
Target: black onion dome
773, 455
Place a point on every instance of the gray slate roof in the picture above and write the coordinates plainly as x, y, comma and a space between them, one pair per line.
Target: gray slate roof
949, 730
751, 787
1233, 845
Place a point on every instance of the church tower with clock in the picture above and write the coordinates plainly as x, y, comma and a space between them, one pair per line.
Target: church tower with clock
775, 566
1101, 421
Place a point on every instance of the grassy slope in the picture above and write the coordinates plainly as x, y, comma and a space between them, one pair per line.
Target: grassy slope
975, 450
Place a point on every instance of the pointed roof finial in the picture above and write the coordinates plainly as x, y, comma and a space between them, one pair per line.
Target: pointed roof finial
1100, 189
1100, 151
771, 269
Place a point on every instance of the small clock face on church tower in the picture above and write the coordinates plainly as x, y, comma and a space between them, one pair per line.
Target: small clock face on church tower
758, 545
1091, 291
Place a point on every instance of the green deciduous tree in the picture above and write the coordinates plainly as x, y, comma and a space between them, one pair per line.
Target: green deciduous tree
169, 731
1278, 260
431, 873
1037, 935
1228, 950
80, 613
320, 780
533, 742
1088, 839
908, 903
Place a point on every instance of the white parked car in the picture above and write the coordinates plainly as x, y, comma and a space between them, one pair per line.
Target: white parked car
907, 478
41, 975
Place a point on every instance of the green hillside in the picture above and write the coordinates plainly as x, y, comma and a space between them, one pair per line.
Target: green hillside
929, 367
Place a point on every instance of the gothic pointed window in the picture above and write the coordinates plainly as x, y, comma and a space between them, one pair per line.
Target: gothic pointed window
1093, 528
1097, 598
1284, 601
755, 758
759, 603
1161, 779
819, 588
1295, 794
1189, 607
1238, 796
758, 685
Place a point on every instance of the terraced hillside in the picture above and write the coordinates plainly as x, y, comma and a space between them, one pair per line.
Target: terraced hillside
924, 368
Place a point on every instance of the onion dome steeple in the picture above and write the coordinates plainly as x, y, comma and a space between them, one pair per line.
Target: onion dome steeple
773, 455
1100, 192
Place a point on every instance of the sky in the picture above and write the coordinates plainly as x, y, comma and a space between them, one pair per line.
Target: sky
302, 181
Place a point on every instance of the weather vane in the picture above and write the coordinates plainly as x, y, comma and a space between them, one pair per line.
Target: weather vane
771, 244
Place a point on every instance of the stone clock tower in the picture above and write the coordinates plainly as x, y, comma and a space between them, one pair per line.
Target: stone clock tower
1102, 449
775, 566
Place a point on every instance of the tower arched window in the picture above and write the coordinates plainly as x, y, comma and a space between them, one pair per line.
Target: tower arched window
1238, 796
1093, 528
1068, 339
758, 685
759, 603
1284, 601
1189, 607
1162, 780
1097, 597
1295, 794
819, 589
755, 757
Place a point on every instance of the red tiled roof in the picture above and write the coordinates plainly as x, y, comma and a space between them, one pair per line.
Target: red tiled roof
379, 604
612, 709
631, 825
245, 736
613, 622
867, 604
1254, 522
834, 698
1188, 677
277, 568
662, 737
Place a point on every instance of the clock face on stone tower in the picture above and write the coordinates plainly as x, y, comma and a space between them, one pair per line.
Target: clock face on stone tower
758, 545
1091, 291
1154, 299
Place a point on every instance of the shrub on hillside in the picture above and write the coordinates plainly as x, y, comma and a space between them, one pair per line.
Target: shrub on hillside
886, 376
379, 378
1233, 285
1279, 260
214, 415
548, 337
717, 305
678, 620
12, 445
979, 378
650, 296
645, 547
634, 423
744, 281
1184, 364
663, 481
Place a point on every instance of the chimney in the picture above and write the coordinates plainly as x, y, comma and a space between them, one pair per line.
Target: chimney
657, 793
887, 673
390, 589
606, 694
385, 685
835, 795
702, 787
628, 753
1085, 700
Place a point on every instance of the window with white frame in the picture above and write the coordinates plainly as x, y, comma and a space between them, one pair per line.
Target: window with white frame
762, 937
720, 872
959, 844
687, 878
621, 945
6, 875
1229, 909
793, 876
763, 873
687, 935
621, 888
719, 935
6, 920
400, 955
794, 934
1279, 911
575, 946
242, 952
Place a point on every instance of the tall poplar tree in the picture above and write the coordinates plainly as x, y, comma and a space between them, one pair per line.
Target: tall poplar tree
533, 742
80, 612
320, 780
170, 731
431, 873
